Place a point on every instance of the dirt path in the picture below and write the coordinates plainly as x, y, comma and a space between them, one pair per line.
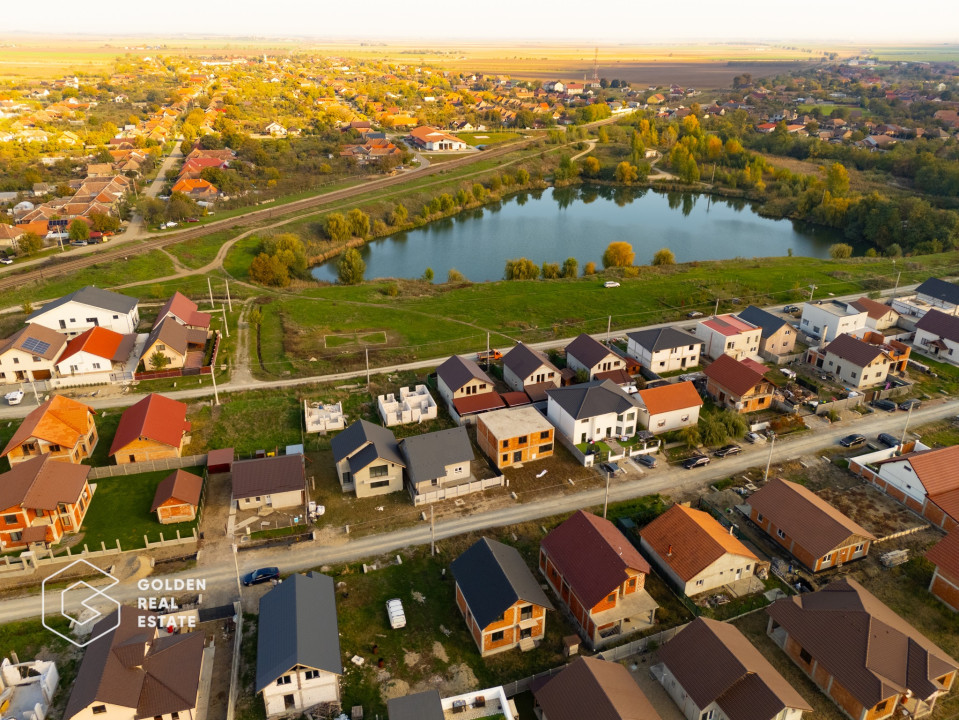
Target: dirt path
591, 143
241, 364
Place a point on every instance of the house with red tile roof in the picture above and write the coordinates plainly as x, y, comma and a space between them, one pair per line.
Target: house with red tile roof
945, 579
96, 350
599, 576
809, 528
864, 657
434, 140
729, 335
738, 385
60, 427
184, 311
694, 552
41, 500
669, 407
196, 188
152, 429
177, 497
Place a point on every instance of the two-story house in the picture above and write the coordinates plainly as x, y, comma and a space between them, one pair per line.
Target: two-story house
530, 371
41, 500
828, 320
599, 576
592, 411
592, 357
31, 353
86, 308
809, 528
499, 598
436, 462
60, 427
728, 335
514, 435
712, 671
153, 429
854, 362
368, 460
739, 385
175, 342
298, 645
466, 389
937, 335
664, 349
184, 311
778, 336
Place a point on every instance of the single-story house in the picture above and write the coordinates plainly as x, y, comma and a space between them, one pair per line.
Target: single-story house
177, 497
434, 140
152, 429
879, 316
664, 349
436, 461
669, 407
96, 350
694, 552
937, 335
809, 528
592, 688
368, 460
502, 603
591, 356
60, 427
945, 579
270, 482
514, 435
738, 385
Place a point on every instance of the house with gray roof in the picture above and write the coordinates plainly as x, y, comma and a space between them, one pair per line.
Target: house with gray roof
298, 645
466, 389
664, 349
778, 336
502, 603
368, 460
937, 335
86, 308
528, 370
435, 462
592, 357
592, 411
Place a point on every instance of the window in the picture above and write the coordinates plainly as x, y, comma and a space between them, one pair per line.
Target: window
11, 519
780, 533
661, 423
161, 348
544, 435
175, 716
458, 470
748, 566
523, 439
545, 448
505, 457
16, 361
284, 680
859, 547
16, 536
380, 484
698, 583
63, 326
497, 636
379, 471
96, 366
311, 674
827, 558
684, 418
882, 706
506, 443
116, 317
853, 375
73, 320
611, 597
526, 613
36, 358
805, 656
92, 320
98, 709
708, 715
482, 386
518, 456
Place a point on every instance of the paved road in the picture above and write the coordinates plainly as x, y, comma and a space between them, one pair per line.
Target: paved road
220, 572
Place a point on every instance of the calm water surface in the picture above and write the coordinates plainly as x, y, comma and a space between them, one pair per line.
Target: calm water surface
579, 222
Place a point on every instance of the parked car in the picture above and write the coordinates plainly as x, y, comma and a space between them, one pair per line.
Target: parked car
611, 467
646, 460
790, 309
731, 449
261, 575
695, 461
6, 260
888, 440
610, 284
78, 243
394, 609
13, 397
854, 440
755, 438
694, 314
912, 403
885, 405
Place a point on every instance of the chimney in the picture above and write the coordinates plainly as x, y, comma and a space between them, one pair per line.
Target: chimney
669, 551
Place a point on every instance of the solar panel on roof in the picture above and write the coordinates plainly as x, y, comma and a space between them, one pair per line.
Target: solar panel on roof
34, 345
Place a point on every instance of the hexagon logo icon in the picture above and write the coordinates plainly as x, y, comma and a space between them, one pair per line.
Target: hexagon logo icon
80, 593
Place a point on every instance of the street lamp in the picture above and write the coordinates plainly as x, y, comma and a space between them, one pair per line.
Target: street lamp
236, 565
769, 460
812, 290
606, 499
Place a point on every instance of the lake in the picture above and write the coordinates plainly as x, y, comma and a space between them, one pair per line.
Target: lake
554, 224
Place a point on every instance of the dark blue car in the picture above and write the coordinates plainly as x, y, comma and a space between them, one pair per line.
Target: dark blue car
260, 576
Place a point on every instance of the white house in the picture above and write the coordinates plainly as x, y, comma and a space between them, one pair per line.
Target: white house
591, 356
524, 367
933, 293
831, 319
434, 140
854, 362
921, 475
712, 672
30, 353
728, 335
415, 404
669, 407
95, 351
592, 411
298, 645
665, 349
937, 335
879, 316
86, 308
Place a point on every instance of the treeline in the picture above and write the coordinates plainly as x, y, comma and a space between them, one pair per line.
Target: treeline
617, 255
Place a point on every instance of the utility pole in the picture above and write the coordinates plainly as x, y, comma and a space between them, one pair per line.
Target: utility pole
609, 325
487, 350
226, 325
902, 440
236, 565
228, 300
210, 288
606, 499
716, 311
216, 395
770, 459
432, 533
35, 396
896, 289
367, 351
812, 290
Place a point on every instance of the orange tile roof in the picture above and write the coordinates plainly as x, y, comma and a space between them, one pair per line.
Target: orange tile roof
936, 469
59, 420
667, 398
188, 185
945, 555
96, 341
695, 539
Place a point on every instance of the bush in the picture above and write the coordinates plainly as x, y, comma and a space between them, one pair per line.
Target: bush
664, 256
589, 268
840, 251
550, 271
618, 254
351, 267
337, 228
455, 276
570, 268
521, 269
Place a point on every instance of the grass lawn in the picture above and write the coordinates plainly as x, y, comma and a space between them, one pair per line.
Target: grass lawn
939, 434
488, 138
247, 422
199, 252
120, 510
946, 382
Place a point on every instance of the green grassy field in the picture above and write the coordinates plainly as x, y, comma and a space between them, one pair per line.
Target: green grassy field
488, 138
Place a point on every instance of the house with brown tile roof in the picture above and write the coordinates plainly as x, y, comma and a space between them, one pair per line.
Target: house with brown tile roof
737, 385
711, 670
879, 316
694, 552
60, 427
177, 497
595, 689
862, 655
31, 353
809, 528
137, 671
669, 407
152, 429
945, 579
852, 361
591, 356
599, 576
41, 500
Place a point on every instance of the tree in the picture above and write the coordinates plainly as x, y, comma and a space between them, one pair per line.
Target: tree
153, 211
618, 254
256, 316
712, 431
603, 135
690, 436
626, 173
428, 274
522, 176
735, 424
267, 269
102, 222
591, 166
29, 243
550, 271
637, 153
289, 250
837, 180
570, 268
158, 360
664, 256
398, 215
589, 268
566, 169
359, 223
520, 269
337, 228
179, 207
894, 250
79, 231
840, 251
351, 267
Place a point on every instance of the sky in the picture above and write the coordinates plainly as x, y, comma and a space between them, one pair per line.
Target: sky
630, 21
